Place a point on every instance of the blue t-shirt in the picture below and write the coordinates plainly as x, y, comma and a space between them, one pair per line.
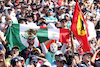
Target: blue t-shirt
50, 57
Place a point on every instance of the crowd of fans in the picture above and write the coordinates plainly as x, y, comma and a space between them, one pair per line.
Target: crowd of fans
51, 14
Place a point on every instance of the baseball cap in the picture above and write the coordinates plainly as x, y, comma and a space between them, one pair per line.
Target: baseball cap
88, 53
46, 6
43, 22
46, 64
22, 19
62, 7
36, 51
33, 59
98, 36
15, 47
67, 15
33, 3
59, 52
29, 16
14, 60
63, 20
50, 10
62, 58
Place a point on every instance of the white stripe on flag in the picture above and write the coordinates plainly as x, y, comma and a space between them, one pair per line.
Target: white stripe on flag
22, 33
53, 34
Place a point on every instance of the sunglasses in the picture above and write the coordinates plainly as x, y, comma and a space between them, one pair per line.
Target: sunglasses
31, 39
16, 49
69, 52
63, 21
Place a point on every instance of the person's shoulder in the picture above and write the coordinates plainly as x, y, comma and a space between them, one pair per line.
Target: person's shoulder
24, 49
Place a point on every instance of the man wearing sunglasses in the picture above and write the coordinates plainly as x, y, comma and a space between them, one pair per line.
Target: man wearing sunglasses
27, 51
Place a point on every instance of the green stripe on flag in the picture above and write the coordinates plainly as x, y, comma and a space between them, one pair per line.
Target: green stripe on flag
42, 35
13, 37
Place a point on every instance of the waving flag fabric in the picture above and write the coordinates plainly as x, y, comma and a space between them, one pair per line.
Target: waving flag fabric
17, 35
61, 35
79, 28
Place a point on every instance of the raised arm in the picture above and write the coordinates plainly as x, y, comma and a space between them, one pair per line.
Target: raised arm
44, 49
64, 47
94, 56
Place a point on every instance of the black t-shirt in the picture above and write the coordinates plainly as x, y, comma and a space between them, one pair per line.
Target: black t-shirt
97, 63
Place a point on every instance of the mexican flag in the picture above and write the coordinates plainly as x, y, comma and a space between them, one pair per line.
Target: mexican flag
17, 35
61, 35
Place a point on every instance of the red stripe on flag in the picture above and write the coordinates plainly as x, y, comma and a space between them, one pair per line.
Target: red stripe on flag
43, 27
64, 36
52, 41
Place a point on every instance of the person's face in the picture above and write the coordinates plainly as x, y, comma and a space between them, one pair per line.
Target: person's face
88, 17
9, 11
22, 22
63, 10
53, 47
18, 64
68, 53
64, 23
46, 9
68, 18
57, 56
29, 19
43, 25
87, 57
1, 56
60, 63
30, 40
7, 18
15, 51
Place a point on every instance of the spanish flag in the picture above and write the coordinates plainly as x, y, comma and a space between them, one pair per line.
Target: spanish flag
79, 28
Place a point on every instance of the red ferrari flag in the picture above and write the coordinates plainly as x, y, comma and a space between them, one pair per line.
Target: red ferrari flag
79, 28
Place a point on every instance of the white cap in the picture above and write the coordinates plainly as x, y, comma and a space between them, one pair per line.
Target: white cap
67, 14
51, 25
67, 50
58, 52
47, 64
62, 7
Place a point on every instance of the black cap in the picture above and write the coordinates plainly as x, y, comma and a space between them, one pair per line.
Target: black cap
43, 22
14, 60
33, 3
21, 2
46, 7
63, 20
29, 16
22, 19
